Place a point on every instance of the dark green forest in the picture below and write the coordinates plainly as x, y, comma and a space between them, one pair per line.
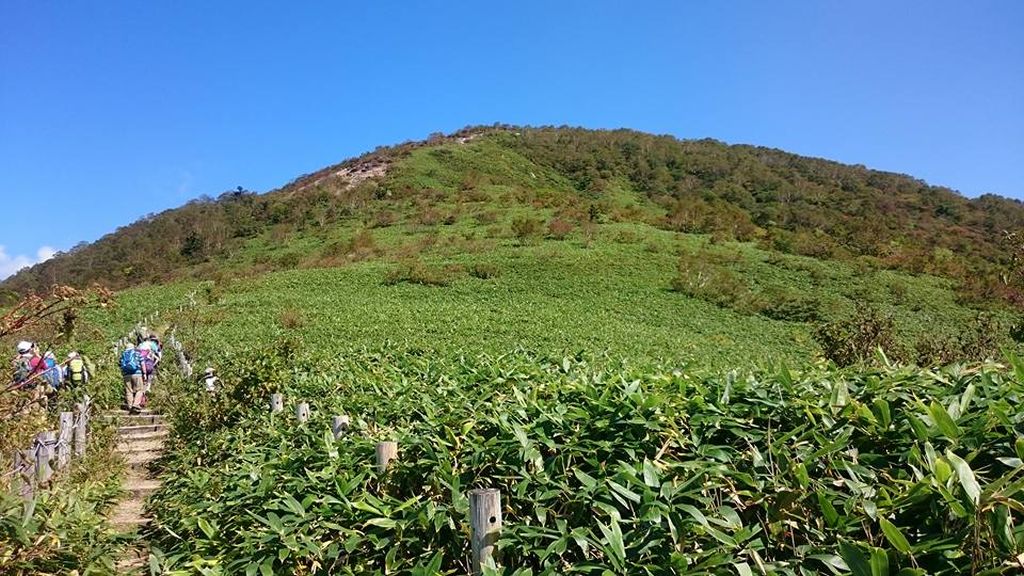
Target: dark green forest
575, 178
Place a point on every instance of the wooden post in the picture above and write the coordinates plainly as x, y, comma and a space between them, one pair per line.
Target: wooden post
24, 477
302, 411
67, 423
386, 452
276, 403
339, 424
485, 525
44, 441
81, 431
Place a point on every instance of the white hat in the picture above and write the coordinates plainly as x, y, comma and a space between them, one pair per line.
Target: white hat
72, 355
24, 346
209, 370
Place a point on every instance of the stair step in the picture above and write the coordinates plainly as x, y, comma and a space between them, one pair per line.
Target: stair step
143, 488
144, 436
138, 419
120, 413
140, 459
143, 429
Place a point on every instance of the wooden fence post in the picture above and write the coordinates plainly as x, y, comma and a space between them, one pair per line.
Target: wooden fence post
276, 403
24, 478
485, 526
302, 411
81, 430
339, 424
44, 453
386, 452
67, 423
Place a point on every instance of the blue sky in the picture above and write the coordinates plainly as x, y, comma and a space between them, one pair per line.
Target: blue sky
112, 110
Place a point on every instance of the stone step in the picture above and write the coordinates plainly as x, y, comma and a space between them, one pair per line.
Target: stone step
141, 429
142, 488
121, 413
143, 446
140, 459
138, 419
143, 437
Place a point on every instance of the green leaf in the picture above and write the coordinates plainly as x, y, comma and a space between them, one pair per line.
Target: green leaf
651, 474
827, 509
613, 536
894, 536
624, 492
943, 421
966, 475
206, 528
381, 522
743, 569
855, 560
879, 562
587, 480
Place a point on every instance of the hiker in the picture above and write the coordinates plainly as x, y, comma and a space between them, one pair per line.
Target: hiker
134, 386
210, 379
79, 370
28, 364
151, 354
53, 376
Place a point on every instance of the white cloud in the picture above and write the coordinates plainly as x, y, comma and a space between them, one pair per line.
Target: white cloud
10, 264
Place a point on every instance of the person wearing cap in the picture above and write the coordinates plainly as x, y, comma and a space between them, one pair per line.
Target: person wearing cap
134, 386
151, 354
210, 379
28, 363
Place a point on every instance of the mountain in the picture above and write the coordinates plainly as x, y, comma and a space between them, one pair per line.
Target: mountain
505, 181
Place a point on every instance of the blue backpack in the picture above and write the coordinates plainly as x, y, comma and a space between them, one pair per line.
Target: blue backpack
131, 362
53, 376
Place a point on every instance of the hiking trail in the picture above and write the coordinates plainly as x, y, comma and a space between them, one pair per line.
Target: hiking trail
140, 440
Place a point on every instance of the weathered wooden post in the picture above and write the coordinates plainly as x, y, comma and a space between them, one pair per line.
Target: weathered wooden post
67, 423
339, 424
485, 526
81, 428
302, 411
276, 403
386, 452
44, 453
24, 474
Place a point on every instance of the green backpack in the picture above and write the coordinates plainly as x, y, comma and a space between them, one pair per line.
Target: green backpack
78, 372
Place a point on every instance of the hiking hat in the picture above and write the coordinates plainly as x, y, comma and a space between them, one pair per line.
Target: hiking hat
210, 371
72, 355
24, 347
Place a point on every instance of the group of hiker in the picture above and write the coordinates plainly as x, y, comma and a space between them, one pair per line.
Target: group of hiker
138, 364
40, 372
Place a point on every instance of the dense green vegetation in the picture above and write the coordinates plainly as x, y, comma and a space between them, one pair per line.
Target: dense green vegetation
639, 339
603, 470
525, 182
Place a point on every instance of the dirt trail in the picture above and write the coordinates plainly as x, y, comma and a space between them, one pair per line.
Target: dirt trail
140, 439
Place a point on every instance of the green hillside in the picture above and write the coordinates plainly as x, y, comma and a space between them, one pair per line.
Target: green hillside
571, 180
641, 342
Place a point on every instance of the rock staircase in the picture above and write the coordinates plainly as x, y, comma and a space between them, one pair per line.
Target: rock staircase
140, 440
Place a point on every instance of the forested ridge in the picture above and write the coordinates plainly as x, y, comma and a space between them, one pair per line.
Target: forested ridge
580, 178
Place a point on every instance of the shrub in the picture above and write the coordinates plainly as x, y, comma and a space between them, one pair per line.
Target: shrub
790, 306
558, 228
291, 319
855, 339
699, 278
289, 260
484, 271
417, 272
525, 228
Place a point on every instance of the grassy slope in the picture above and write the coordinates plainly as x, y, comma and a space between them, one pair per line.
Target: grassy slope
608, 295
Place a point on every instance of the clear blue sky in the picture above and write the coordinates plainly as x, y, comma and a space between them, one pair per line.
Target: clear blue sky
111, 110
